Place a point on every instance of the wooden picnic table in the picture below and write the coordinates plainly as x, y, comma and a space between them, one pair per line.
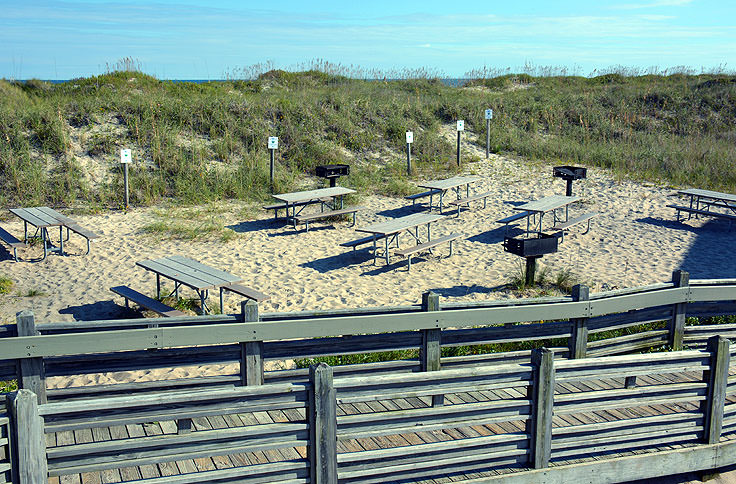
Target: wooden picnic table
454, 183
391, 229
306, 197
188, 272
43, 218
547, 204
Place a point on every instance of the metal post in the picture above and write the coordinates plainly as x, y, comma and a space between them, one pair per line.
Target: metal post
531, 268
568, 191
488, 137
272, 157
458, 148
125, 181
408, 159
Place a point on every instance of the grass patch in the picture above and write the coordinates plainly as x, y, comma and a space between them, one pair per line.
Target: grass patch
189, 224
6, 285
8, 386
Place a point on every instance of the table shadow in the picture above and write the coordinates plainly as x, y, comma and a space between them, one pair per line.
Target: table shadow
460, 291
496, 235
100, 310
255, 225
402, 211
339, 261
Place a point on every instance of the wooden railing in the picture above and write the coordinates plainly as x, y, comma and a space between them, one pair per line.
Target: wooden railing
545, 419
573, 328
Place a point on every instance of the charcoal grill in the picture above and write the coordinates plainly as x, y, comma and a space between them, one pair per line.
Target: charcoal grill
332, 172
531, 248
569, 173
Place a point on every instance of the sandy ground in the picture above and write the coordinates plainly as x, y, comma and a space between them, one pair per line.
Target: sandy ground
634, 241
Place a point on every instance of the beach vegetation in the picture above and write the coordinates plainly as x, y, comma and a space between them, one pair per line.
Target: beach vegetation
6, 285
196, 142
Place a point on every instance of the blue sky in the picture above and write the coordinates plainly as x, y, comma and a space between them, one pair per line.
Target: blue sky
194, 39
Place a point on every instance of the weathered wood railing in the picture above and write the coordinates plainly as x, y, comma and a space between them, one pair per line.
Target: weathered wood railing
571, 326
6, 448
542, 420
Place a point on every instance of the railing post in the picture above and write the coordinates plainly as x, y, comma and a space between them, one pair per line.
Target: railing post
677, 323
578, 342
251, 352
27, 427
32, 374
431, 352
322, 425
542, 400
716, 378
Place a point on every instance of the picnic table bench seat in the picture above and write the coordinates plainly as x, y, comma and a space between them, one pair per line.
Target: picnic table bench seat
283, 205
84, 232
697, 211
361, 241
466, 201
246, 291
416, 196
561, 227
328, 213
146, 302
12, 241
513, 218
409, 251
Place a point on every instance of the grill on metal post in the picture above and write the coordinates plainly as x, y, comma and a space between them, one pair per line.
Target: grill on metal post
332, 172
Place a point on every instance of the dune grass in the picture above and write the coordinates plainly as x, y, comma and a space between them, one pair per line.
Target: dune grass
202, 142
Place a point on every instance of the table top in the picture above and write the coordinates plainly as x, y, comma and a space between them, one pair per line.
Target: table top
189, 272
401, 223
448, 183
307, 195
42, 216
547, 204
696, 192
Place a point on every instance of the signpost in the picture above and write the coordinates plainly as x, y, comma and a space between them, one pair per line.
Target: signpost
460, 129
489, 116
273, 145
409, 141
125, 159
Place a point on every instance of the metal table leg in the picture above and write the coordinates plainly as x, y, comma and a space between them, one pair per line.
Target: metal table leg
387, 257
61, 240
158, 286
222, 310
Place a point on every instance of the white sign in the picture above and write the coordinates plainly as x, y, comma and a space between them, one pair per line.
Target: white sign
273, 143
125, 156
489, 113
409, 136
461, 125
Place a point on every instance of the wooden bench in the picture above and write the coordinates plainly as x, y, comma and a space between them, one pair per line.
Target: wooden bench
283, 205
427, 245
361, 241
86, 233
697, 211
466, 201
428, 193
247, 292
329, 213
13, 242
146, 302
513, 218
561, 227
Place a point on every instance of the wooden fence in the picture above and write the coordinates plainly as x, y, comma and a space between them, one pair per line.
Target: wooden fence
501, 403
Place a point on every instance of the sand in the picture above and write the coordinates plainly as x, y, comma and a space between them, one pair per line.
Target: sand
634, 241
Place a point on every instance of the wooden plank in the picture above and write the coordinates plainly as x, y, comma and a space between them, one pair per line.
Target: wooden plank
251, 353
32, 376
716, 378
578, 341
323, 426
29, 439
677, 323
542, 397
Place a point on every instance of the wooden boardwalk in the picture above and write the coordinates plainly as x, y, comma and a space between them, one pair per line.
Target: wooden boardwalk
513, 430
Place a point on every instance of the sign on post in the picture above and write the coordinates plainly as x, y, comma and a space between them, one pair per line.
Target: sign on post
409, 141
273, 142
125, 158
489, 116
461, 125
409, 136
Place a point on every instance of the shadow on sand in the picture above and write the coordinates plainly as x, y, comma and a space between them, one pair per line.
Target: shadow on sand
100, 310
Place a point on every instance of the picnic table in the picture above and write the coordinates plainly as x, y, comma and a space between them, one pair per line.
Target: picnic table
188, 272
304, 198
44, 218
544, 205
702, 202
391, 229
455, 183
